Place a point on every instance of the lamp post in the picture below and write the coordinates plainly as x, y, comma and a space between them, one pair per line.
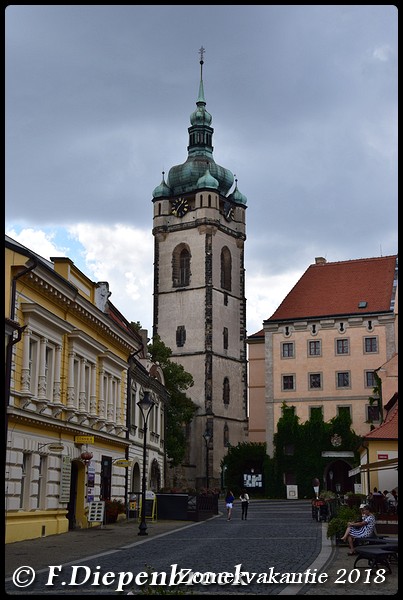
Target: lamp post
145, 405
207, 438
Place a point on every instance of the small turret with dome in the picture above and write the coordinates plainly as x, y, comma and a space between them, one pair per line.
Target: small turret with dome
236, 195
207, 181
162, 190
188, 176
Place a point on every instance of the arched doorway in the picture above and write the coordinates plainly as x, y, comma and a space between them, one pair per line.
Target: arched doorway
336, 477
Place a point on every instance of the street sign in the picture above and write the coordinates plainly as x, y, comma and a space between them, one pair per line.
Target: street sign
84, 439
122, 462
56, 447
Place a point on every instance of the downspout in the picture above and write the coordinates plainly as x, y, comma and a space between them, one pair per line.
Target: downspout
128, 396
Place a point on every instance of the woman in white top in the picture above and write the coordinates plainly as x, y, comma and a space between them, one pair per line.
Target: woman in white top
244, 498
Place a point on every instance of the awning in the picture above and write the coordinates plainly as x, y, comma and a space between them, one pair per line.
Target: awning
379, 465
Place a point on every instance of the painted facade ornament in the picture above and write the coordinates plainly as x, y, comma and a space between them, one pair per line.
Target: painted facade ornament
336, 440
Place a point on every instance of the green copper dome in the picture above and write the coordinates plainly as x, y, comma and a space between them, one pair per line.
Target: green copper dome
185, 177
236, 195
207, 181
162, 190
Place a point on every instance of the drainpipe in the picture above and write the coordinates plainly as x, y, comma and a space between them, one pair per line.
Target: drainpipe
128, 396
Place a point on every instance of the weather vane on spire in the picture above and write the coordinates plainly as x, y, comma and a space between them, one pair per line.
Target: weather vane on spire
201, 52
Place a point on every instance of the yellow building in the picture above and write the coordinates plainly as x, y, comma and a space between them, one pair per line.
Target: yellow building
75, 371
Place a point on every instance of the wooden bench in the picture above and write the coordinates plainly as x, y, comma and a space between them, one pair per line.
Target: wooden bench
376, 555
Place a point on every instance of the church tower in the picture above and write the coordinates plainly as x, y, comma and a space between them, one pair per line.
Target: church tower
199, 293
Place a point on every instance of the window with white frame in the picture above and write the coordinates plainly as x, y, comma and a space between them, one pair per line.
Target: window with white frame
42, 351
33, 365
82, 383
83, 364
25, 480
49, 369
42, 470
110, 387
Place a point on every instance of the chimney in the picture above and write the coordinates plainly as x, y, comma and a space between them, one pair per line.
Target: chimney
319, 260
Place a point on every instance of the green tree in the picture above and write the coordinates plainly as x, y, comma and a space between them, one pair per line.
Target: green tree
181, 409
239, 460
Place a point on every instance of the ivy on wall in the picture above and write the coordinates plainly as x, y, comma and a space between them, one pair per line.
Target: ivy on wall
298, 451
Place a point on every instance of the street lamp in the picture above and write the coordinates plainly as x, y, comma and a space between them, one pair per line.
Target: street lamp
145, 405
207, 438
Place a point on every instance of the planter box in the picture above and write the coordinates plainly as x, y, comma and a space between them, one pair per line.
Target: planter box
182, 507
172, 506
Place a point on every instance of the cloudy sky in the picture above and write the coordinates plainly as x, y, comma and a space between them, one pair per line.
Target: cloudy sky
304, 106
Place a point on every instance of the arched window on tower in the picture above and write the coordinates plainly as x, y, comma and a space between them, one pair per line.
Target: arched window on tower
226, 269
226, 391
181, 266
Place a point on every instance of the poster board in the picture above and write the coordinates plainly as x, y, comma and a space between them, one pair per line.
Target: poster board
96, 511
150, 508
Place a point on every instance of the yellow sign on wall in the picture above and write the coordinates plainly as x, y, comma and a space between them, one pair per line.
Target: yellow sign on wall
84, 439
122, 462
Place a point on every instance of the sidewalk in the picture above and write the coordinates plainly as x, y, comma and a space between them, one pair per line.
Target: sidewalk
343, 578
82, 544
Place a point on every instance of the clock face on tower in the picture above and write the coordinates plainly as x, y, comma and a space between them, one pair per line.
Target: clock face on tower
180, 207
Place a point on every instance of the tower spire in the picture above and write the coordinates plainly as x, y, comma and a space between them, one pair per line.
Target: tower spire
201, 88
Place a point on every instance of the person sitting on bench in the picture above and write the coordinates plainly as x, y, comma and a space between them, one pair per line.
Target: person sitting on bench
360, 529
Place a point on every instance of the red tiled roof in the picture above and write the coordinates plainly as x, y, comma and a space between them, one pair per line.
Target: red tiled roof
388, 430
121, 321
258, 334
329, 289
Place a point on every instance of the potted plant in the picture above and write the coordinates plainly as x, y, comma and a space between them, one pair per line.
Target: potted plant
338, 524
113, 508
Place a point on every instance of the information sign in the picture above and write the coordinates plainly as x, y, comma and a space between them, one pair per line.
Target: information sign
96, 511
65, 479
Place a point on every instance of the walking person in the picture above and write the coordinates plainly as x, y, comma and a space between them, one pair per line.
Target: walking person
244, 498
229, 501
